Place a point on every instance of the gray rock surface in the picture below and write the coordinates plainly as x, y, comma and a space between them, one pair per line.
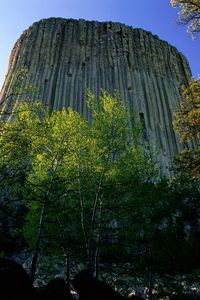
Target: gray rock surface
67, 57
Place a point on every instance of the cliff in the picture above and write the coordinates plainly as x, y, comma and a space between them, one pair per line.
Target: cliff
67, 57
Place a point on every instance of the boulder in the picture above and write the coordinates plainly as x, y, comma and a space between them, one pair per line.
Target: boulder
90, 288
56, 289
15, 283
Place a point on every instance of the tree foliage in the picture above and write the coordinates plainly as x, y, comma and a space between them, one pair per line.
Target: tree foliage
91, 192
189, 14
187, 121
72, 168
187, 124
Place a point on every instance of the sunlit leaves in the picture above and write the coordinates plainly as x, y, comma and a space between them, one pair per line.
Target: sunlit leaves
187, 121
76, 167
187, 124
189, 14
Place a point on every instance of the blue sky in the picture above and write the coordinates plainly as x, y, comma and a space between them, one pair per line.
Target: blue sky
156, 16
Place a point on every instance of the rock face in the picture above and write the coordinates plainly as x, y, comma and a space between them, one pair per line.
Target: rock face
67, 57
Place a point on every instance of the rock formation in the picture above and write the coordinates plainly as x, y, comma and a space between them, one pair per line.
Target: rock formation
67, 57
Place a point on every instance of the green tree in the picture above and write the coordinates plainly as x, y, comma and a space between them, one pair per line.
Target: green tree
187, 124
93, 193
53, 173
15, 163
122, 159
36, 145
189, 14
107, 155
73, 168
187, 121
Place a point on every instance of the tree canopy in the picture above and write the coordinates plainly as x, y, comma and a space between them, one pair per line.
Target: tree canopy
90, 191
75, 169
187, 124
187, 121
189, 14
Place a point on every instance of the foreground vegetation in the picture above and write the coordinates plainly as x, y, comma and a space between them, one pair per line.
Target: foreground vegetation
90, 193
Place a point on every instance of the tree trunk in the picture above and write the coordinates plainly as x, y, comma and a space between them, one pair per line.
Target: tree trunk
96, 262
93, 221
38, 241
67, 267
150, 275
82, 214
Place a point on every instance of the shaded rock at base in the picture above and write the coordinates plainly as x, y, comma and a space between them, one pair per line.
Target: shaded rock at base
90, 288
15, 282
56, 289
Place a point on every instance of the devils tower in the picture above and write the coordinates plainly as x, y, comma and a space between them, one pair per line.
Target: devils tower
66, 57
